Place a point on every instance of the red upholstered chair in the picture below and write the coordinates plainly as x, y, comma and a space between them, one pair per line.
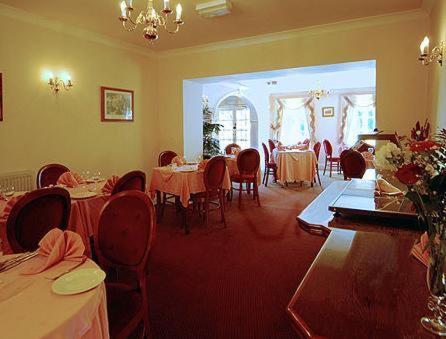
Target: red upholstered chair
228, 148
248, 163
34, 214
329, 158
270, 167
317, 151
353, 164
49, 174
123, 240
165, 158
134, 180
272, 145
213, 176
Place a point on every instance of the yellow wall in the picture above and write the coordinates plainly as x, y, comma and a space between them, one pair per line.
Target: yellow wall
401, 81
40, 127
437, 75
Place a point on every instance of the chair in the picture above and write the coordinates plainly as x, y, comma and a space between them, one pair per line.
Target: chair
123, 240
213, 176
228, 148
353, 164
165, 158
134, 180
49, 174
272, 145
270, 167
317, 151
34, 214
248, 163
329, 157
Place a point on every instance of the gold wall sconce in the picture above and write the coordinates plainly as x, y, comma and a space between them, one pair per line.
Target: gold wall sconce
427, 57
58, 83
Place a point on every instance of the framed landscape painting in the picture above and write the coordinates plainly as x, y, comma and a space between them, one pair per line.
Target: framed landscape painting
116, 104
328, 112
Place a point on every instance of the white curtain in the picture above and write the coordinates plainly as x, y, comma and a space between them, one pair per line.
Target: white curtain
347, 130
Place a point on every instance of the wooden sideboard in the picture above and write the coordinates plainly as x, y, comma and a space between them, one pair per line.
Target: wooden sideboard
363, 283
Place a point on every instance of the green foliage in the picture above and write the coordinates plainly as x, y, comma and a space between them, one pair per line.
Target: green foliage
211, 145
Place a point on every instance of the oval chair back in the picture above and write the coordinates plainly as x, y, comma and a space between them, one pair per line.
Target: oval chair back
134, 180
49, 174
353, 164
248, 162
214, 173
165, 158
123, 240
36, 213
228, 148
271, 145
317, 149
328, 148
265, 153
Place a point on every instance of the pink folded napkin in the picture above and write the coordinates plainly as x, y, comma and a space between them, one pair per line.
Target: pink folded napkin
111, 182
419, 252
202, 165
70, 179
178, 160
56, 246
9, 205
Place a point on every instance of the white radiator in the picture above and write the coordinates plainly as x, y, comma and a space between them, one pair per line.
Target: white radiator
22, 181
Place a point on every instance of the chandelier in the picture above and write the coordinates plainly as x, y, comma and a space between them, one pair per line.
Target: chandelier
318, 93
150, 19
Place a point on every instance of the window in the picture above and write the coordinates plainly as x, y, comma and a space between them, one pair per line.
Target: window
362, 117
235, 117
294, 122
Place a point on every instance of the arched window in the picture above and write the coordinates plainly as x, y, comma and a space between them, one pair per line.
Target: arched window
239, 121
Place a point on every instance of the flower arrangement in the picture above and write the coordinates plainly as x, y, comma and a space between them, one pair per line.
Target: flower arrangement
420, 164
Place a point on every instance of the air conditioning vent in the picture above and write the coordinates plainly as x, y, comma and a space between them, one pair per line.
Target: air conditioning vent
214, 8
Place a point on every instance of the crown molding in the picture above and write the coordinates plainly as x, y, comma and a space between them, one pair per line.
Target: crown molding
33, 19
346, 25
427, 6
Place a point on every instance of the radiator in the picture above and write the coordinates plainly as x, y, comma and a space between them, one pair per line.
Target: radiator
22, 181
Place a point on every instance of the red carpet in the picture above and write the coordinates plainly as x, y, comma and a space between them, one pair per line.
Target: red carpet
234, 282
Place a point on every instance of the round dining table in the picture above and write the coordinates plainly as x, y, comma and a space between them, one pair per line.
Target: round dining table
30, 309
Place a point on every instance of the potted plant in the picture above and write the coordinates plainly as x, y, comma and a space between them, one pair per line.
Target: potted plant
211, 145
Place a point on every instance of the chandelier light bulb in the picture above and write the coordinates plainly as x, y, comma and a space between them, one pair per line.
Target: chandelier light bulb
123, 9
424, 46
179, 11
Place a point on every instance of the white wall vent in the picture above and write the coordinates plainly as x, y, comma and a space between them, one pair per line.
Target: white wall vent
214, 8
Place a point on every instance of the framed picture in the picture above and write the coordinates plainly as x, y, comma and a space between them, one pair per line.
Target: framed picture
1, 97
328, 112
116, 104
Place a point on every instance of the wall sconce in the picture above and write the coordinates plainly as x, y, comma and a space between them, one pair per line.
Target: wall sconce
426, 57
56, 83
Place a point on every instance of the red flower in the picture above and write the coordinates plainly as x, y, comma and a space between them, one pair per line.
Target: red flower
408, 174
420, 146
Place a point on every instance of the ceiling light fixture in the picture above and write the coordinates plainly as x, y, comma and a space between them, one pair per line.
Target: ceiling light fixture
318, 93
426, 57
150, 19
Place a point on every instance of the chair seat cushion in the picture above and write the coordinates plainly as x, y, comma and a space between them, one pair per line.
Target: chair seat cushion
242, 177
123, 304
271, 165
334, 159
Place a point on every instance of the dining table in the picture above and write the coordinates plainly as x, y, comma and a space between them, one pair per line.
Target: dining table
29, 308
295, 165
182, 182
87, 201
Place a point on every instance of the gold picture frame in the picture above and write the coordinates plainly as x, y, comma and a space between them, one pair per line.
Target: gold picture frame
328, 112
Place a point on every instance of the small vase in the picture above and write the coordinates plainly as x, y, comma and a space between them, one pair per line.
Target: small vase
436, 282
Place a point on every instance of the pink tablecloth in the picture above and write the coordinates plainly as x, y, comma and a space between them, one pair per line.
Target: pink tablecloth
84, 217
182, 184
29, 308
296, 166
231, 162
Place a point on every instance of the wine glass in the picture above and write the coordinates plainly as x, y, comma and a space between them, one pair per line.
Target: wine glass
8, 191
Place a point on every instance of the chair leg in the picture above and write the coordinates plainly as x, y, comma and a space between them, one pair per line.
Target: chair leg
256, 192
319, 178
222, 208
325, 166
163, 204
264, 175
267, 178
248, 187
240, 195
206, 202
331, 167
275, 174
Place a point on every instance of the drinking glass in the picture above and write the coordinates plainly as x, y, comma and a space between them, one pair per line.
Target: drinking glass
9, 191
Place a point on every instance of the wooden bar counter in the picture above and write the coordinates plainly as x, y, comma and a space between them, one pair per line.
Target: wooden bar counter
363, 283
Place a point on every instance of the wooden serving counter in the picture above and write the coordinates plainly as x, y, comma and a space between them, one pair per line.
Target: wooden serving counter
363, 283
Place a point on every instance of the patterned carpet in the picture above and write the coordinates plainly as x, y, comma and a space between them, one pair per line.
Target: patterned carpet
234, 282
